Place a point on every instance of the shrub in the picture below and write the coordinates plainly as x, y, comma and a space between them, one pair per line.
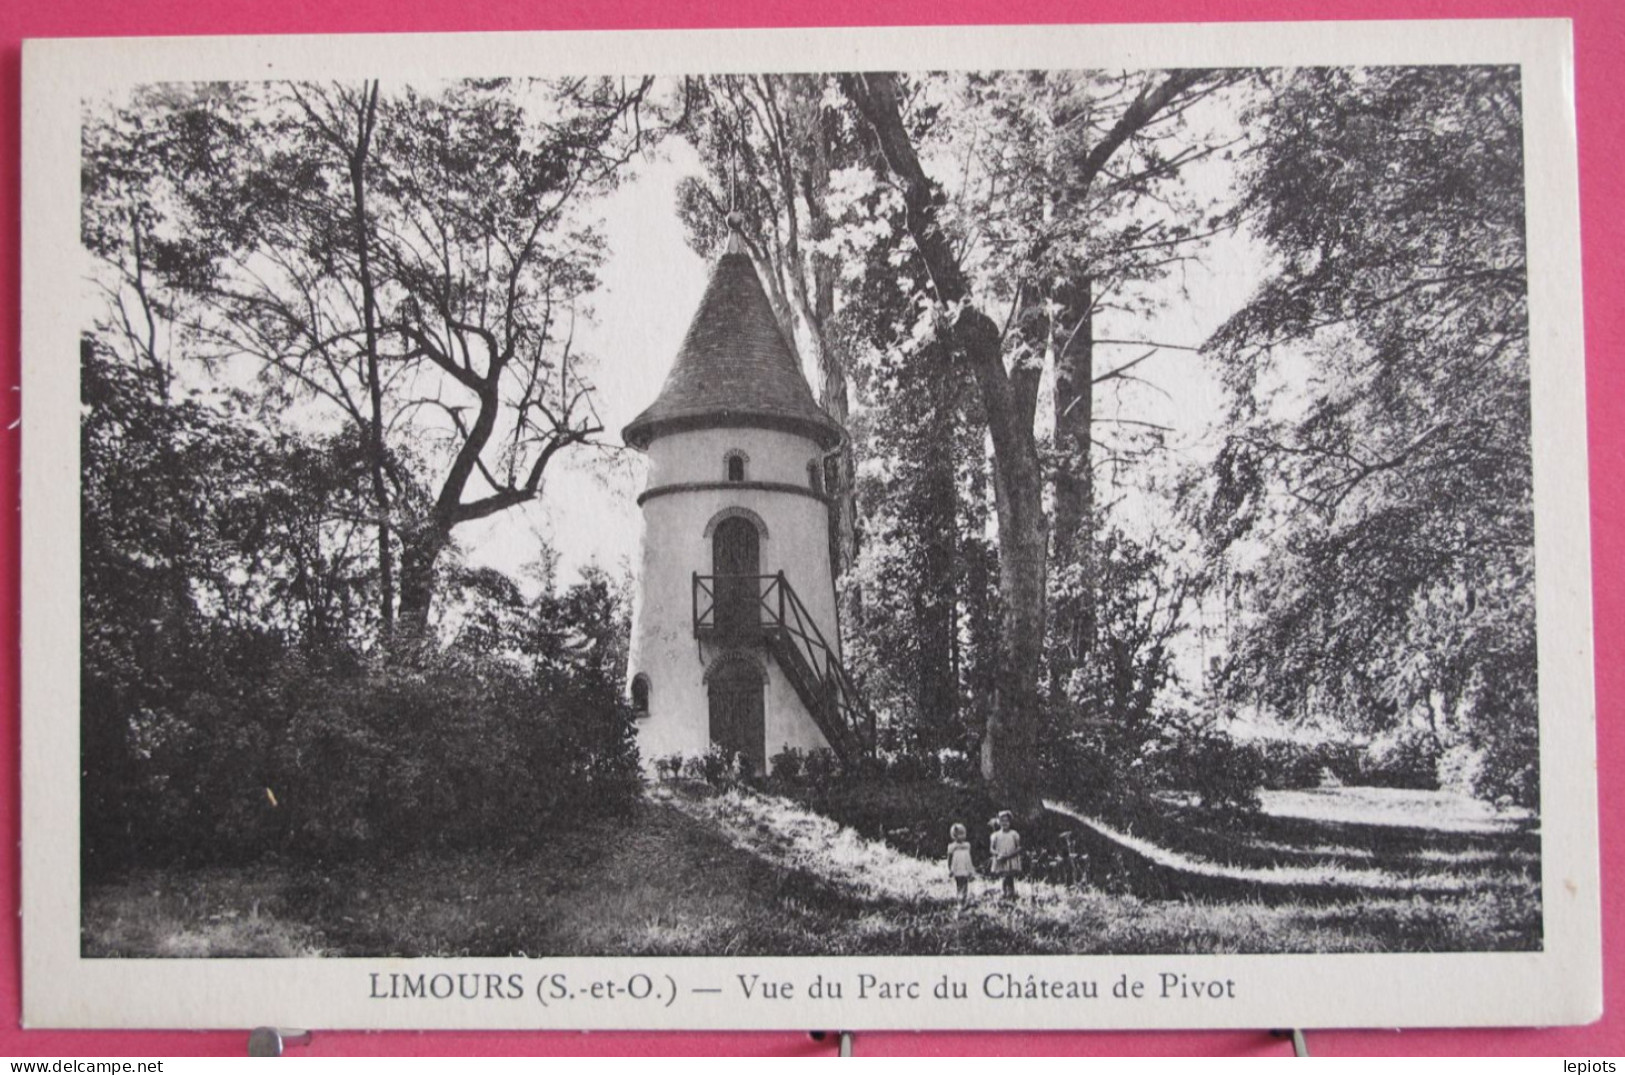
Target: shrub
446, 751
1209, 763
1406, 757
1294, 765
1112, 768
788, 765
1093, 769
719, 767
1505, 729
822, 769
910, 765
233, 698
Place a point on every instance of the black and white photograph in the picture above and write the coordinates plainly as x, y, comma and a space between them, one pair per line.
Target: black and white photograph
914, 510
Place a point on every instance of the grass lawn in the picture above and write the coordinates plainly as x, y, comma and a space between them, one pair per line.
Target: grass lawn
1352, 843
1322, 846
694, 873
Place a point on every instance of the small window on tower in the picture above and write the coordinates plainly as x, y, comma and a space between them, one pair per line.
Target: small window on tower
815, 475
640, 694
736, 466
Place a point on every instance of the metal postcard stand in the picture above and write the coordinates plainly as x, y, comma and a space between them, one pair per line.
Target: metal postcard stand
270, 1040
1300, 1047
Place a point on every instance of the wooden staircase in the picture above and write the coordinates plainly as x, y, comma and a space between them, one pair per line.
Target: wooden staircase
765, 609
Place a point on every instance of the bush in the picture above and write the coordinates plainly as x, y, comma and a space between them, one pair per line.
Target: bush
1406, 757
788, 765
1510, 777
822, 769
1219, 771
310, 762
1092, 769
1289, 764
926, 765
1504, 728
1112, 768
793, 770
233, 700
719, 767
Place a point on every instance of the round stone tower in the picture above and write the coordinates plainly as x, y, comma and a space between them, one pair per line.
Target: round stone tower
734, 633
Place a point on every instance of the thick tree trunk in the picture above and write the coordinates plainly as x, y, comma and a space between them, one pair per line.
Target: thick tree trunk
418, 558
1074, 610
1009, 743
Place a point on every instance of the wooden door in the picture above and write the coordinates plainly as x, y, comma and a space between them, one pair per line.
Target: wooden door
738, 718
735, 561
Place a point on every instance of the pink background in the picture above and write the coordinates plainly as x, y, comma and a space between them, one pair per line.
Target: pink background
1599, 32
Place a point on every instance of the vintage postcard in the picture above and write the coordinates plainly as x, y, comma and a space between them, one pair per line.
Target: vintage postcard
1048, 527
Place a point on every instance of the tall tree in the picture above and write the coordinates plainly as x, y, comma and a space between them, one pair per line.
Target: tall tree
1008, 362
491, 258
170, 179
1075, 204
1008, 397
1378, 484
410, 264
920, 519
345, 119
769, 144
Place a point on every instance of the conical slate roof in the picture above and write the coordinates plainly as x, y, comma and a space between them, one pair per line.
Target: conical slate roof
734, 368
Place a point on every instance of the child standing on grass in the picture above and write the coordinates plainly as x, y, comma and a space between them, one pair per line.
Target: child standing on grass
1006, 850
960, 867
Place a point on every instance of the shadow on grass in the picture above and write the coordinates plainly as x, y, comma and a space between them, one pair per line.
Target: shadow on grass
742, 875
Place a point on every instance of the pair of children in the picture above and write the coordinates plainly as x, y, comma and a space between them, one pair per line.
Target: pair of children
1005, 854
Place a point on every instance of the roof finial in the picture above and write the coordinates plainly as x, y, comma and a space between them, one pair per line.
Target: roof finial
736, 232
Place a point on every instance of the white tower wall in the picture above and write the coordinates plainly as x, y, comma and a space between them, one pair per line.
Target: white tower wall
687, 491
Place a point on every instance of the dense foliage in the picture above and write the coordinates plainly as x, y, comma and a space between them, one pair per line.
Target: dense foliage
1374, 499
339, 327
409, 266
235, 702
966, 258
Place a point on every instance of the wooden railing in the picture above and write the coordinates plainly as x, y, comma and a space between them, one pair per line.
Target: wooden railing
767, 607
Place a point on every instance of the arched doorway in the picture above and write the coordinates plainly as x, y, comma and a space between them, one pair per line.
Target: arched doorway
738, 719
736, 563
